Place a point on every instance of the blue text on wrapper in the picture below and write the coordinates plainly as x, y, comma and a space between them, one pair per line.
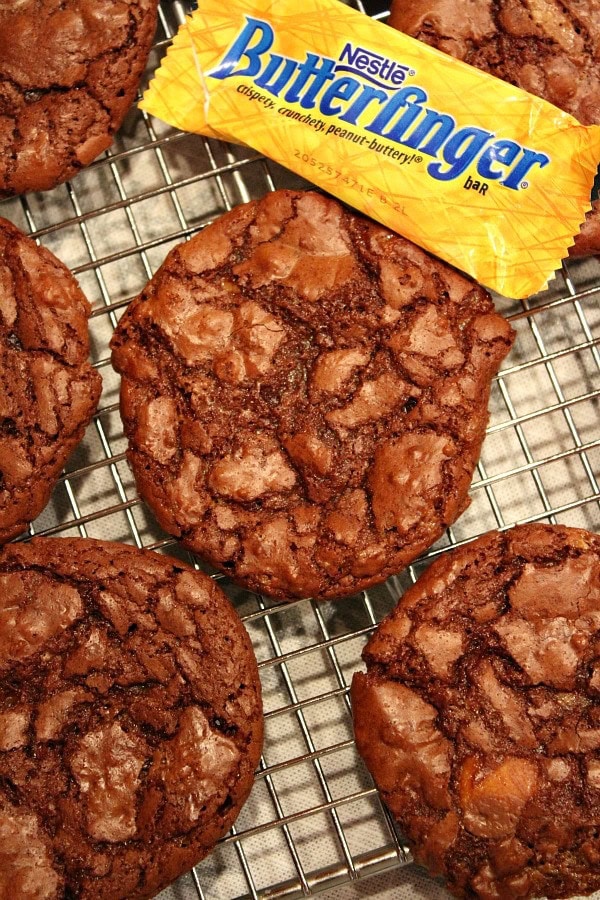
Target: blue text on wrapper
396, 111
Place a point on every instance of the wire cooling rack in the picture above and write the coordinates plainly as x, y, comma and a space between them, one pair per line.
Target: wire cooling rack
313, 819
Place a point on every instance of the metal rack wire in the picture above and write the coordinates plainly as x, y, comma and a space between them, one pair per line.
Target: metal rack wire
314, 819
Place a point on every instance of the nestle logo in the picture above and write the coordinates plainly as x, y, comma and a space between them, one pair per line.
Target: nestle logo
379, 70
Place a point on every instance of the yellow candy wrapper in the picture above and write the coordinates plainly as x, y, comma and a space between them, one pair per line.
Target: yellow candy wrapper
480, 173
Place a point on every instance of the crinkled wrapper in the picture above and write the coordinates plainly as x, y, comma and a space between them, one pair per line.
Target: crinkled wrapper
480, 173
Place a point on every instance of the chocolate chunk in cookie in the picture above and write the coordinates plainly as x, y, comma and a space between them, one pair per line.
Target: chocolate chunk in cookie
305, 395
130, 719
479, 714
48, 390
68, 74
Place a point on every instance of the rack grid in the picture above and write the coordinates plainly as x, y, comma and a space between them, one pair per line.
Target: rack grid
314, 819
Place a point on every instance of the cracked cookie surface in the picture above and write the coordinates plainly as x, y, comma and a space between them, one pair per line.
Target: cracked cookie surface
305, 395
130, 719
479, 714
68, 74
550, 48
48, 389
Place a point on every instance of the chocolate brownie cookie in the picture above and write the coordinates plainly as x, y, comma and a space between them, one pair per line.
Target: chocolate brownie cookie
305, 395
48, 390
130, 719
479, 714
546, 47
68, 74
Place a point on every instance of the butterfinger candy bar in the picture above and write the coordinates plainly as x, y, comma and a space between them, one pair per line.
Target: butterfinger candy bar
480, 173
